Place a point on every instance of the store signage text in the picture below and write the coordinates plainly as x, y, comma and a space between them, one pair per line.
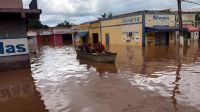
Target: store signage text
10, 47
161, 18
131, 20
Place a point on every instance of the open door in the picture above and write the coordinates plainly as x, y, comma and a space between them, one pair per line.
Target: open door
95, 38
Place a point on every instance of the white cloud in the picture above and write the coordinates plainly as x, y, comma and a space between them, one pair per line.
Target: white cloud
78, 11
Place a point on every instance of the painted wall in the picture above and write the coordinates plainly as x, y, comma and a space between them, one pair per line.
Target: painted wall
83, 27
123, 31
11, 4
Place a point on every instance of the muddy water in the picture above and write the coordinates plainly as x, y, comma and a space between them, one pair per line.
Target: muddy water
153, 79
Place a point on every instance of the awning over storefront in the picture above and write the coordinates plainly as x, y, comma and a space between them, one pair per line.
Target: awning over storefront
162, 29
192, 29
82, 34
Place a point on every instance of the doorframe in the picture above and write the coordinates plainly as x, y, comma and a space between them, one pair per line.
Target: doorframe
107, 40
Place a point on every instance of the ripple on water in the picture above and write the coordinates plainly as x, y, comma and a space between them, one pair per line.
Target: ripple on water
62, 80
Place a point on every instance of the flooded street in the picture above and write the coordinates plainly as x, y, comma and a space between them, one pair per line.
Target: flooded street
152, 79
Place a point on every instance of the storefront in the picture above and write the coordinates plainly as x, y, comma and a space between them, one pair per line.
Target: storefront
82, 34
125, 30
160, 29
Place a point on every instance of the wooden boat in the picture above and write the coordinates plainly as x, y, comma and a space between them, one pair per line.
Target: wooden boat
107, 57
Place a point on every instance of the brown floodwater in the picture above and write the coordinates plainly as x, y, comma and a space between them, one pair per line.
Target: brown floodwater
152, 79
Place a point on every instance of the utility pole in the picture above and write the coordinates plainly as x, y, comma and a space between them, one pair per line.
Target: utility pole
180, 38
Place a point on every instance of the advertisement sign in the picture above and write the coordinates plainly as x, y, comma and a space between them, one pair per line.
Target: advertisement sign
188, 17
160, 20
12, 47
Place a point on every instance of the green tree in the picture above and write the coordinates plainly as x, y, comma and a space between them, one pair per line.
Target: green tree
36, 24
64, 24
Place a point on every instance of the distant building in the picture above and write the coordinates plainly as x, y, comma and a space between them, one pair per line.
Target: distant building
13, 34
191, 21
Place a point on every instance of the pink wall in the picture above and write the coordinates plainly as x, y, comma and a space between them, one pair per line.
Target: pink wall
11, 4
56, 40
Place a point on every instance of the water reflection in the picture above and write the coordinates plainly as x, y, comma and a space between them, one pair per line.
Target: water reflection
101, 68
18, 93
163, 70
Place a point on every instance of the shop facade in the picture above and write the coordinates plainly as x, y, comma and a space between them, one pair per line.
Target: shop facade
122, 31
191, 23
14, 53
160, 29
142, 28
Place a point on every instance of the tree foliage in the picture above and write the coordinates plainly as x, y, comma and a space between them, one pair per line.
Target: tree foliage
106, 15
64, 24
36, 24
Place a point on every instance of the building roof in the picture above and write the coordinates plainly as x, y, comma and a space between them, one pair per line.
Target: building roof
165, 11
184, 11
133, 14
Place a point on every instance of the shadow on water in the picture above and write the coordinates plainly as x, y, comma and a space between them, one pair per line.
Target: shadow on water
18, 92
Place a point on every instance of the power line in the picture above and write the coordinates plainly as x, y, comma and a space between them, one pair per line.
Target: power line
191, 2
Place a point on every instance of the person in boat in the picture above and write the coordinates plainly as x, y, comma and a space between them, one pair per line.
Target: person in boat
100, 48
88, 48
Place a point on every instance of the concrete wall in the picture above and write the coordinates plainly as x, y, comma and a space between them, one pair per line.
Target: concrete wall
14, 62
11, 4
12, 27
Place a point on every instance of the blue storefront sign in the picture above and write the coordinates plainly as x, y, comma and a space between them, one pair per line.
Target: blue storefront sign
11, 47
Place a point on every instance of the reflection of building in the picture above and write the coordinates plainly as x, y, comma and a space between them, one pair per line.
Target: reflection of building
13, 39
138, 28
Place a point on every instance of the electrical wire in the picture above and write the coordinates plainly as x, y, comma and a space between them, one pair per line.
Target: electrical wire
188, 1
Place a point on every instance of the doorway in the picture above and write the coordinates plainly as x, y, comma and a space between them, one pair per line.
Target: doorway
199, 36
95, 38
162, 38
107, 41
67, 39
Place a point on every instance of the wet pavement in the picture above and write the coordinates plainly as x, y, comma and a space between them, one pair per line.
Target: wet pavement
152, 79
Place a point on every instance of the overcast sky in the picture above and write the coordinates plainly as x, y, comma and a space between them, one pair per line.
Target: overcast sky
79, 11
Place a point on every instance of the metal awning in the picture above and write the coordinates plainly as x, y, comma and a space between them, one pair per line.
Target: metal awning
82, 34
192, 29
162, 29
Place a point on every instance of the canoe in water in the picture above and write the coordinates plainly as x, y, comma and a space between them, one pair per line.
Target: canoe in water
106, 57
